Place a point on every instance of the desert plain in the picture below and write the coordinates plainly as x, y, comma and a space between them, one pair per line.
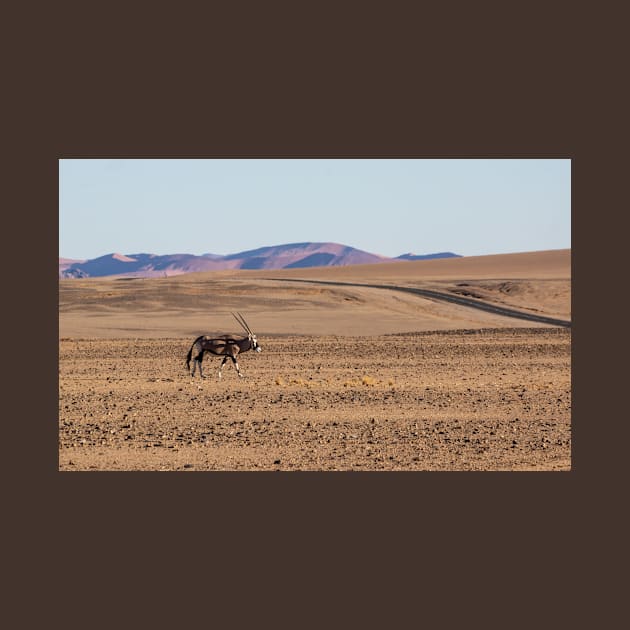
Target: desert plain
354, 374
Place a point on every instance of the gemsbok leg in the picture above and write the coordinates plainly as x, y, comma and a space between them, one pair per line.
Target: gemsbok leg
197, 362
234, 361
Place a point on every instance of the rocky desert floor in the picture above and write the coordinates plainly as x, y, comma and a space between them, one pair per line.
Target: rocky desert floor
349, 378
489, 400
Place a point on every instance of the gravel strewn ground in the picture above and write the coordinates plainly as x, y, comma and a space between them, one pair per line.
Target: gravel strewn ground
462, 400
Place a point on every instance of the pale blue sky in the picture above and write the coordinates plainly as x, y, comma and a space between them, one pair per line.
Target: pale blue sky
384, 206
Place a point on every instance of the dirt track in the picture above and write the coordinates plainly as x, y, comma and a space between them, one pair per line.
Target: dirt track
461, 301
458, 400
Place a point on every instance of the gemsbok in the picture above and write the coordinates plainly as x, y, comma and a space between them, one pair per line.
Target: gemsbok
226, 346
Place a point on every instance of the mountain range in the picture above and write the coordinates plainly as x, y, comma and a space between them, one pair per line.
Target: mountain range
291, 255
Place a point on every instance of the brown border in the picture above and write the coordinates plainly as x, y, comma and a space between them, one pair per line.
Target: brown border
396, 547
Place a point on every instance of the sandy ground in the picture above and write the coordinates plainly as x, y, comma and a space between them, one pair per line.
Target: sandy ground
350, 378
200, 303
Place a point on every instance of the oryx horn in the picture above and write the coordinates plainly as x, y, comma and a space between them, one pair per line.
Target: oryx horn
241, 320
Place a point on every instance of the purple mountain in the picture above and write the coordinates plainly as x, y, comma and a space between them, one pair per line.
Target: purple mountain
292, 255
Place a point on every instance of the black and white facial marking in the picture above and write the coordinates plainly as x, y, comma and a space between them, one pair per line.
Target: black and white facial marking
227, 346
255, 345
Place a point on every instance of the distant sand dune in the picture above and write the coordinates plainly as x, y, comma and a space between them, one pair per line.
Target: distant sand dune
537, 282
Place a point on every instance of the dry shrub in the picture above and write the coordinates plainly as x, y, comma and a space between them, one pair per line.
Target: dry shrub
300, 382
365, 380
